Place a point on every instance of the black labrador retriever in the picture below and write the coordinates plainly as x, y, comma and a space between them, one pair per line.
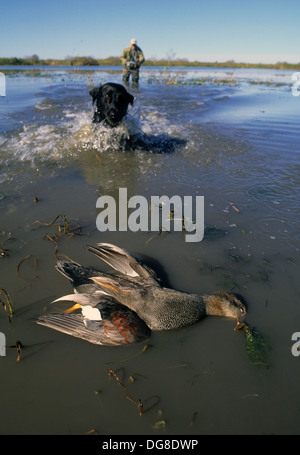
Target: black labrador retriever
112, 102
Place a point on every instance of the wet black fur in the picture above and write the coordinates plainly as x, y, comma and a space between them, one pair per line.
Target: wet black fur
111, 102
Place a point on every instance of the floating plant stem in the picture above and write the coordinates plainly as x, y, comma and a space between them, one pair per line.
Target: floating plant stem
112, 373
138, 404
65, 228
66, 225
53, 221
19, 347
21, 262
8, 304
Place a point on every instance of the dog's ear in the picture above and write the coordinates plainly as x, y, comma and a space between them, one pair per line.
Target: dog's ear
130, 99
95, 93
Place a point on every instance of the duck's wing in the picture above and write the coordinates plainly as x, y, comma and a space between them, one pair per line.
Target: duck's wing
120, 260
119, 326
71, 324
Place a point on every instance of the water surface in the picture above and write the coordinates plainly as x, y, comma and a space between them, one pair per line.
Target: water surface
237, 136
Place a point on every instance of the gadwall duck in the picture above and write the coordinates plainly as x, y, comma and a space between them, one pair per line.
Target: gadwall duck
124, 308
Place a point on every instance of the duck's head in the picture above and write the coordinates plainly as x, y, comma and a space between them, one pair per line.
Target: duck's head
224, 303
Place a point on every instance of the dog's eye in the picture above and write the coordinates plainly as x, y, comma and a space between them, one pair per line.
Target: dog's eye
109, 96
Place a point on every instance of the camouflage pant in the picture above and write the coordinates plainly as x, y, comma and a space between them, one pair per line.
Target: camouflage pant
133, 72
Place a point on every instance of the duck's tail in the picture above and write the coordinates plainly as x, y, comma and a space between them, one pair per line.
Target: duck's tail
75, 272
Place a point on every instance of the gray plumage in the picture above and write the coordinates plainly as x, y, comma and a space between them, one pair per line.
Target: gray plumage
133, 303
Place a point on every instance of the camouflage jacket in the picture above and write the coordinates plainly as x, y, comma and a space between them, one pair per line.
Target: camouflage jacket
128, 56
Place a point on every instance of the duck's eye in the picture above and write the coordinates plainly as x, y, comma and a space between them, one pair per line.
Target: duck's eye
242, 310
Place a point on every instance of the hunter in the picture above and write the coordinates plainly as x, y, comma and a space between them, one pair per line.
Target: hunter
132, 57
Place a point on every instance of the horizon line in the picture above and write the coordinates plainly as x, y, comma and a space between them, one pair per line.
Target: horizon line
35, 59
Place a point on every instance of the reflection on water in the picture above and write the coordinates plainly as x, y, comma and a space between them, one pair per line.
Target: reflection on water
236, 144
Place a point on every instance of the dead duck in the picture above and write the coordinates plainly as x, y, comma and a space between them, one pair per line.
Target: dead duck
124, 308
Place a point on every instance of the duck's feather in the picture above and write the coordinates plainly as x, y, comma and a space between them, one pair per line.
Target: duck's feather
73, 324
119, 325
82, 299
120, 260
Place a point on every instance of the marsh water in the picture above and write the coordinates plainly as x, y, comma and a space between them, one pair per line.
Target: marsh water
229, 135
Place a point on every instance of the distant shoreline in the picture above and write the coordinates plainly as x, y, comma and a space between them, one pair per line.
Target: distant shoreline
115, 61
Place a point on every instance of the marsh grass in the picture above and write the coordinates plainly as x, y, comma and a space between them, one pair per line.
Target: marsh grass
168, 77
116, 61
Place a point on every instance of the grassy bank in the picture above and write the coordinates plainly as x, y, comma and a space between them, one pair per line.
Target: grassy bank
115, 61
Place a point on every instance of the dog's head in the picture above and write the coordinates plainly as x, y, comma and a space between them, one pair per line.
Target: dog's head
111, 101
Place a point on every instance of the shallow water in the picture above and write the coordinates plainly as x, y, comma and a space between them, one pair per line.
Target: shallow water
237, 144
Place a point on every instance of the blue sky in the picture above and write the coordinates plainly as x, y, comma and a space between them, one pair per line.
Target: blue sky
211, 30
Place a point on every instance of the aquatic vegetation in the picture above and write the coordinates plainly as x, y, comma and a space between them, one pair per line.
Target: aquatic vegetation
143, 406
138, 403
178, 78
63, 229
256, 346
20, 263
160, 425
4, 251
8, 305
268, 83
18, 346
